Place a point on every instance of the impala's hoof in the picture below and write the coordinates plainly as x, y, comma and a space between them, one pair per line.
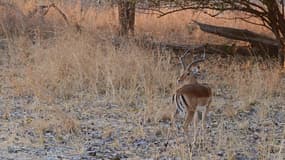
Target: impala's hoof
208, 126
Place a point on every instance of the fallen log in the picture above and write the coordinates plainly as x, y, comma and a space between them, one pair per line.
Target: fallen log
261, 43
237, 34
222, 49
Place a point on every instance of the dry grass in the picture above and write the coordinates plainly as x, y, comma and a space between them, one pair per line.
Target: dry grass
121, 74
248, 81
70, 64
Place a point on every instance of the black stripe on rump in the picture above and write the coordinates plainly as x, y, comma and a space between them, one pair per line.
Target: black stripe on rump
184, 101
177, 102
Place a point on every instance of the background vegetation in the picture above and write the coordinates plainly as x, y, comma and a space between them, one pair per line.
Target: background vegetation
60, 79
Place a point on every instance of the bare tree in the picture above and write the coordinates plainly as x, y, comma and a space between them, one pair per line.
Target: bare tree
126, 10
270, 12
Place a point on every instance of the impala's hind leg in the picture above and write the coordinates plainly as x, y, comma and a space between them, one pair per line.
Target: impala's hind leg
174, 116
188, 119
195, 123
204, 115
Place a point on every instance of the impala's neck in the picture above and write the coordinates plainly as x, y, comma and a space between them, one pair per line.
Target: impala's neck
190, 81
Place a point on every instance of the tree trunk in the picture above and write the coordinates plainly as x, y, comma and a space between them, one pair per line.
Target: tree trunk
126, 10
281, 54
277, 23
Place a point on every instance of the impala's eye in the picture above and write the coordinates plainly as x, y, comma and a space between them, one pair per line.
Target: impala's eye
188, 74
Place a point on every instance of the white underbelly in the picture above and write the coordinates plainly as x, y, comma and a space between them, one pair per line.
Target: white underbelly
201, 108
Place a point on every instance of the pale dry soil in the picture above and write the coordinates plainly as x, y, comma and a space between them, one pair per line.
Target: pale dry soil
110, 131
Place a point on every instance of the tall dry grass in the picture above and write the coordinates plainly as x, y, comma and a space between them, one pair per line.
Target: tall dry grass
77, 63
244, 82
130, 75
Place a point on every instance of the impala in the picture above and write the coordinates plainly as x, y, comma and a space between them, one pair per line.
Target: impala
191, 96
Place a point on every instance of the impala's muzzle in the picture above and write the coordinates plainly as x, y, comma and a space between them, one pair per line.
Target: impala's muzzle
197, 74
196, 71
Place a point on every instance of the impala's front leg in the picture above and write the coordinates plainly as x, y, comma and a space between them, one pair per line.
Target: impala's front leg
204, 114
195, 122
